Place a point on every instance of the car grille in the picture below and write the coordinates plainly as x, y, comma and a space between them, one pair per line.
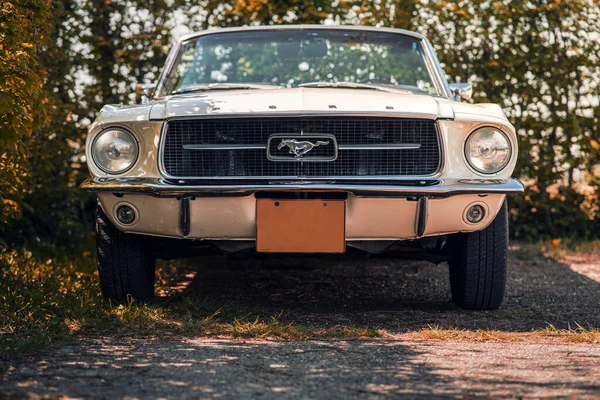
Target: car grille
236, 147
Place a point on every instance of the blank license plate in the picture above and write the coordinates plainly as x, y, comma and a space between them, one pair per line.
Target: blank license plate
300, 226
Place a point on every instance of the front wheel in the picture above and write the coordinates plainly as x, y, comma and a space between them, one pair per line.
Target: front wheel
478, 265
125, 266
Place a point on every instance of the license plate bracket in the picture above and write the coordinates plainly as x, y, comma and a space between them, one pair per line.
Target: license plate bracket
300, 226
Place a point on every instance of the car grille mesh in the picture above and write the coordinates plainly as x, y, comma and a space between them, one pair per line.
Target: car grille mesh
253, 163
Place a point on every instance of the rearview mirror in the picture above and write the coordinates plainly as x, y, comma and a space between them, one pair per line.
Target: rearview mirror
143, 92
461, 91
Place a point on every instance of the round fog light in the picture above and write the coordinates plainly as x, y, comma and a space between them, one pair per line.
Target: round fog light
475, 214
125, 215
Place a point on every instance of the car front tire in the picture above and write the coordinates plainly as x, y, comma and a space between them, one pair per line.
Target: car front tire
125, 266
478, 265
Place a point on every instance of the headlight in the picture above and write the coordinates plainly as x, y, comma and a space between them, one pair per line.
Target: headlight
115, 150
488, 150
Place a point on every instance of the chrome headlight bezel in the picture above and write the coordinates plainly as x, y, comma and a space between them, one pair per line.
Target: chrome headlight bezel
132, 140
469, 158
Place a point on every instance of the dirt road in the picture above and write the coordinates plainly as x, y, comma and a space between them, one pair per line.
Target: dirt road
398, 297
195, 368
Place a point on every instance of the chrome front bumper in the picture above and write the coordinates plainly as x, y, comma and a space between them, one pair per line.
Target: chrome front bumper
373, 212
429, 188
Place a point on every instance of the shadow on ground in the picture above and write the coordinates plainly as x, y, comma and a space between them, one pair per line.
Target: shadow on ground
385, 293
392, 294
200, 368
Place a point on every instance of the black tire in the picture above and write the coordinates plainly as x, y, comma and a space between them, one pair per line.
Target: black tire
478, 265
125, 266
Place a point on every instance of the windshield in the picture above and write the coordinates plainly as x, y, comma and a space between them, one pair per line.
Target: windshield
292, 58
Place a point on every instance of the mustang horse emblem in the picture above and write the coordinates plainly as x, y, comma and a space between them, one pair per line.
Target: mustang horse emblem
300, 148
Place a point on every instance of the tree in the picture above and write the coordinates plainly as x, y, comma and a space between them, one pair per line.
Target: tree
63, 60
92, 54
539, 61
23, 30
212, 13
52, 201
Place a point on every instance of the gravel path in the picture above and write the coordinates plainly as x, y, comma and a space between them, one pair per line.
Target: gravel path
399, 297
197, 368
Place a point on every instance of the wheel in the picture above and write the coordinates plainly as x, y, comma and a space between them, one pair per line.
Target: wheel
125, 266
478, 265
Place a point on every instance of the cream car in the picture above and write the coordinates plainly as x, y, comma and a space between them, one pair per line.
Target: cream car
303, 139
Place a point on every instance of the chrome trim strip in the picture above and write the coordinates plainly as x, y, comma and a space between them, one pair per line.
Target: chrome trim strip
441, 151
315, 113
439, 72
391, 146
224, 147
195, 35
442, 188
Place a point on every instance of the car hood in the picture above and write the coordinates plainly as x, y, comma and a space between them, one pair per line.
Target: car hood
301, 101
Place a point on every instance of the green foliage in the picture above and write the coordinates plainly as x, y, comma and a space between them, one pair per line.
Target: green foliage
539, 61
53, 209
22, 31
205, 14
126, 42
62, 60
111, 45
563, 214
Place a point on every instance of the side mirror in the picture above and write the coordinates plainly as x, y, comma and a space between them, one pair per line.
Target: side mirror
461, 91
143, 92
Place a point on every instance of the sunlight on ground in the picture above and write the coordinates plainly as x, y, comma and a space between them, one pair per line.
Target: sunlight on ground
587, 265
45, 301
582, 258
201, 367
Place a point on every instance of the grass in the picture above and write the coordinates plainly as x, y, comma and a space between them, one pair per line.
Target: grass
480, 335
44, 301
579, 334
557, 249
47, 300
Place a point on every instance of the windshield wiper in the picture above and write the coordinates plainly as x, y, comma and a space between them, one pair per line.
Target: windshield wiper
351, 85
222, 86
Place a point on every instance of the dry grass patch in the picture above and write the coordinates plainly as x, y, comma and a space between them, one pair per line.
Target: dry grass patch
480, 335
273, 328
579, 334
49, 300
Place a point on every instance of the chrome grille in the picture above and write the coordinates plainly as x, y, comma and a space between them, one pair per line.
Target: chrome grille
236, 147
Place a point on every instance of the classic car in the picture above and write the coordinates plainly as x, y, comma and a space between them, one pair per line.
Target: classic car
303, 139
